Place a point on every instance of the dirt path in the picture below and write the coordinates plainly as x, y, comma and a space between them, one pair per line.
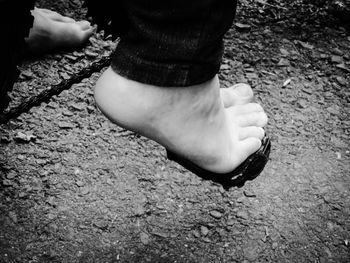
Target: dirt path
76, 188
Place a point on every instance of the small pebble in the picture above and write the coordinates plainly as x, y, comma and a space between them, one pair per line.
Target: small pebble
242, 215
283, 62
338, 52
78, 106
70, 57
11, 175
196, 234
91, 54
304, 44
336, 59
13, 216
144, 238
250, 253
64, 75
204, 230
26, 74
6, 182
284, 52
230, 222
341, 80
343, 67
216, 214
23, 138
65, 125
242, 27
101, 224
85, 191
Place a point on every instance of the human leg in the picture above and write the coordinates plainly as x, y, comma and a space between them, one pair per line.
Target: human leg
166, 87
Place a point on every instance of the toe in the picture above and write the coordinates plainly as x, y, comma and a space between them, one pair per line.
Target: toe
70, 35
237, 94
252, 131
86, 33
249, 146
243, 90
245, 109
84, 25
258, 119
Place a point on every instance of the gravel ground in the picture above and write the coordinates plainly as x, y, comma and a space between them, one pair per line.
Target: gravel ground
76, 188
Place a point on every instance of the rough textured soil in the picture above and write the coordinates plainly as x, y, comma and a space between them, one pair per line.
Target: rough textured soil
76, 188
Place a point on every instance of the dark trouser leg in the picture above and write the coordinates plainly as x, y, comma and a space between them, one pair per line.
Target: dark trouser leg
173, 43
179, 45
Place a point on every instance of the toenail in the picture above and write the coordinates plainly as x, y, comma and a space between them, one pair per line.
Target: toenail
243, 89
259, 108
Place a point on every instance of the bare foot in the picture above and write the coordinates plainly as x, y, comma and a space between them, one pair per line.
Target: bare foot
191, 121
52, 31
